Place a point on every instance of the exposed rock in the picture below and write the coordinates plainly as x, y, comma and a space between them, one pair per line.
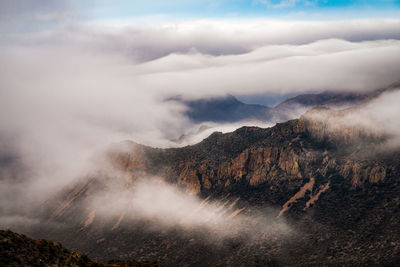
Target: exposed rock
314, 198
300, 194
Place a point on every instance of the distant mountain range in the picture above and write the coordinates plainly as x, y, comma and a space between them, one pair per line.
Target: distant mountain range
229, 109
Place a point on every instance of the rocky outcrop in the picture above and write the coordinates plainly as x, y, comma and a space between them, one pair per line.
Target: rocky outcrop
290, 152
189, 178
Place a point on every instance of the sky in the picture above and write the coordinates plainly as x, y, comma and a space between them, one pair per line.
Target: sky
25, 15
237, 8
76, 76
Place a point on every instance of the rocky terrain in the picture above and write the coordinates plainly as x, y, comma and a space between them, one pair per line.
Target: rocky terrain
20, 250
309, 195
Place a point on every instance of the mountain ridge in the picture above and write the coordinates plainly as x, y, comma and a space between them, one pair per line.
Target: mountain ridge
228, 109
341, 183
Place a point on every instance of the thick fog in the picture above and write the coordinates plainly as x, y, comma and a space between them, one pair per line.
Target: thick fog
66, 92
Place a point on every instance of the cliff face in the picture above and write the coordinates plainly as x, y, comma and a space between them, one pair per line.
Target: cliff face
337, 188
291, 152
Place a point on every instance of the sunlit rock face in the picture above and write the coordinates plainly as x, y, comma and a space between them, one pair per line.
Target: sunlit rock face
292, 151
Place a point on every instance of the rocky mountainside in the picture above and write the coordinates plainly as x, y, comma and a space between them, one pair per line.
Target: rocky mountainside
336, 192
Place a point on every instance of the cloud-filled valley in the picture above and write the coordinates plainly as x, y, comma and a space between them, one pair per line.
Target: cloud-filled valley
199, 133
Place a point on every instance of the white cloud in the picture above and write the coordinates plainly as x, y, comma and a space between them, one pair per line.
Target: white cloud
378, 117
357, 66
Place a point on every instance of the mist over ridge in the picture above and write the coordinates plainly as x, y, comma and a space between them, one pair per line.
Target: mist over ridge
144, 133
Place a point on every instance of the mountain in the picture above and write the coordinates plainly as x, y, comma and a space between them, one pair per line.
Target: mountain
222, 109
294, 107
230, 109
300, 193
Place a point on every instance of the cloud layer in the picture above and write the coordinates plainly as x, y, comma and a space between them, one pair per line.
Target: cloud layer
68, 92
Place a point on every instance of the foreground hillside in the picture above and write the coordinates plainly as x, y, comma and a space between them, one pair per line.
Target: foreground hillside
298, 193
20, 250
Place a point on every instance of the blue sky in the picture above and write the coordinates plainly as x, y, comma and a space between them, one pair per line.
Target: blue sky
27, 15
329, 9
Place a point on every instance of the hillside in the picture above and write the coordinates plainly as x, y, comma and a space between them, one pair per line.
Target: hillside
335, 193
20, 250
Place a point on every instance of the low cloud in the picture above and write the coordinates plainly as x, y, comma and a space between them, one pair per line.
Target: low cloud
199, 132
166, 206
377, 117
68, 92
